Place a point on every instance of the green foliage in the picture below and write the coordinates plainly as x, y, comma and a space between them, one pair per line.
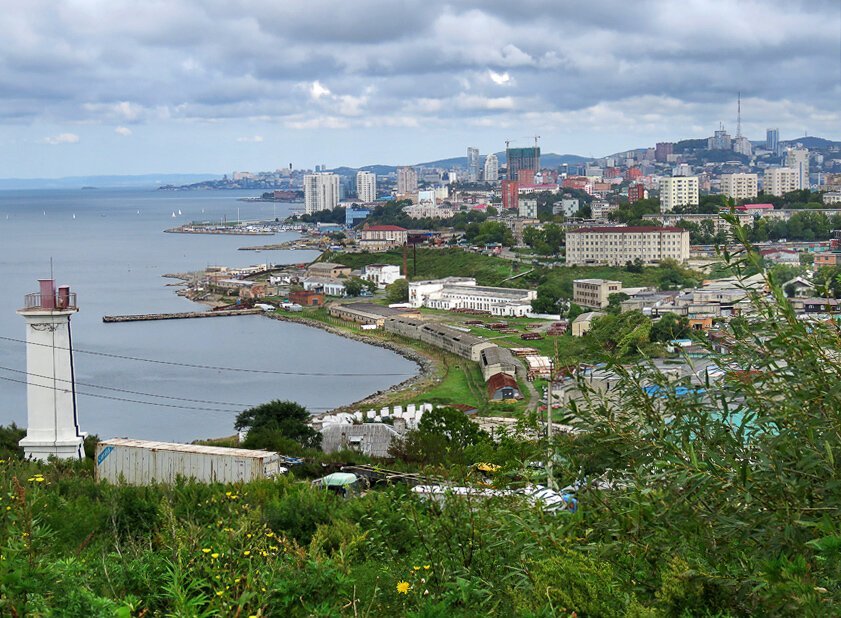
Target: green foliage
285, 418
337, 215
355, 286
453, 426
10, 436
670, 326
397, 292
614, 301
631, 214
546, 241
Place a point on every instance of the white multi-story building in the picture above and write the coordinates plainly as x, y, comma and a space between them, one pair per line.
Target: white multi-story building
798, 160
740, 186
600, 210
491, 168
463, 293
366, 186
742, 146
620, 245
527, 208
321, 192
473, 165
407, 180
594, 293
381, 274
780, 180
678, 191
568, 207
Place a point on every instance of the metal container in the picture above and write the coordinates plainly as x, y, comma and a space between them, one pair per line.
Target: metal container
141, 462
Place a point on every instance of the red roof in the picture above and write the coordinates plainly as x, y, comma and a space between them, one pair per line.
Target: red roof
627, 230
755, 207
501, 380
385, 228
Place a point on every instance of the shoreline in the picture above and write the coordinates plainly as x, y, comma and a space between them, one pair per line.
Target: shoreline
426, 365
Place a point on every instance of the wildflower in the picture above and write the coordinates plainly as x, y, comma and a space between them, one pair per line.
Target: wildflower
248, 535
416, 568
426, 567
214, 555
403, 587
206, 550
246, 553
219, 593
227, 493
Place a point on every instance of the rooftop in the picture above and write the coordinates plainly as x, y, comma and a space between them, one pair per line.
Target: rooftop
626, 230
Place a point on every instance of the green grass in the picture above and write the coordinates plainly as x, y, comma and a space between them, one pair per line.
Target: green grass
437, 263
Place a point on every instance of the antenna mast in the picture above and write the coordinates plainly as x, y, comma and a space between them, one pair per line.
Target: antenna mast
739, 116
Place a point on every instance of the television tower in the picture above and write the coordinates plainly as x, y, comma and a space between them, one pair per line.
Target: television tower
739, 116
52, 427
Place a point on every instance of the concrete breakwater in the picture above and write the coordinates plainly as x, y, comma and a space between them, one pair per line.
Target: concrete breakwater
147, 317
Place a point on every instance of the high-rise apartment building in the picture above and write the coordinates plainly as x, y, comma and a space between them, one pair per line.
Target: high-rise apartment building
366, 186
780, 180
798, 160
321, 192
636, 192
473, 165
678, 191
740, 186
510, 194
772, 140
620, 245
662, 151
407, 180
491, 168
521, 159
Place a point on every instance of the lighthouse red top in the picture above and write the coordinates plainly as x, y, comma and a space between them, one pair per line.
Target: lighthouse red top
50, 299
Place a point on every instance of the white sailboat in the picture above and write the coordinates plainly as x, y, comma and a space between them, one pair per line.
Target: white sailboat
173, 214
179, 211
74, 215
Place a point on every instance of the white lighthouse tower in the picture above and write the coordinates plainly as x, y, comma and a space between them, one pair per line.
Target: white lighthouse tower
52, 423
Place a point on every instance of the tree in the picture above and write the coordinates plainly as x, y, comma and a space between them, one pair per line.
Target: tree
354, 286
397, 292
453, 426
614, 300
670, 327
285, 418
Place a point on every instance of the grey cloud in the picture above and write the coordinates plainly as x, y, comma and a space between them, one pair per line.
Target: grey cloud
388, 62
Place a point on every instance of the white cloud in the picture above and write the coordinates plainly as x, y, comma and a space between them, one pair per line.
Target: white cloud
317, 90
123, 131
500, 79
61, 138
250, 139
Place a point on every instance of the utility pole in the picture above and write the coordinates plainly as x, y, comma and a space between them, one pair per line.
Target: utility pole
550, 474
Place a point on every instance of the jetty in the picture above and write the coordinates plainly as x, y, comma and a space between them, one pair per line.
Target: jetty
148, 317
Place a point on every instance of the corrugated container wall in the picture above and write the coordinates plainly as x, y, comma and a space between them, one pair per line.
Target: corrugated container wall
140, 462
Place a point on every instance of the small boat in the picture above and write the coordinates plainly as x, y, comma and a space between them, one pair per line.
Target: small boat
138, 212
74, 215
179, 211
173, 214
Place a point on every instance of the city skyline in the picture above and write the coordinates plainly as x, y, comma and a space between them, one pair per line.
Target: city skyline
119, 88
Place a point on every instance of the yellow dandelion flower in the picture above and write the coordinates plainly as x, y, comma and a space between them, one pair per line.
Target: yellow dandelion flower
206, 550
219, 593
214, 555
227, 493
416, 568
426, 567
246, 553
403, 587
248, 535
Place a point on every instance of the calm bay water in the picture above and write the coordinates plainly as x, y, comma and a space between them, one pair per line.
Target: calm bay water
113, 254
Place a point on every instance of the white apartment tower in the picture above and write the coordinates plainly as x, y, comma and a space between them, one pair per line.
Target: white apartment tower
780, 180
491, 168
407, 180
52, 427
473, 165
798, 160
678, 191
321, 192
366, 186
740, 186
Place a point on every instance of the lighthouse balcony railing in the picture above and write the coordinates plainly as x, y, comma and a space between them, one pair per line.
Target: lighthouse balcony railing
50, 302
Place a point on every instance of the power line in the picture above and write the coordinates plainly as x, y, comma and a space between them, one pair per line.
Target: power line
123, 390
148, 403
215, 368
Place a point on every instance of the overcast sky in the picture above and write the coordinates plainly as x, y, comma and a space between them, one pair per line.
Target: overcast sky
129, 87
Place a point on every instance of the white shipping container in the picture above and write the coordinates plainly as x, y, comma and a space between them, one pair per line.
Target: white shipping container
142, 462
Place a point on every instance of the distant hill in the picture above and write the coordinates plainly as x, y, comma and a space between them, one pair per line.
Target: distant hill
548, 159
105, 182
812, 143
